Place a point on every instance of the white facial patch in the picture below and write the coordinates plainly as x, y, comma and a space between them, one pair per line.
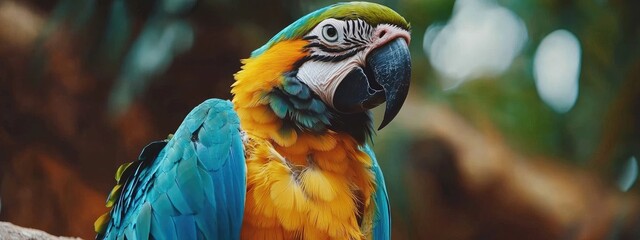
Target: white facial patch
324, 77
336, 47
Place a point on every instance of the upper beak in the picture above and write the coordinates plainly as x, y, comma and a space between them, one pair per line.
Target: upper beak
386, 76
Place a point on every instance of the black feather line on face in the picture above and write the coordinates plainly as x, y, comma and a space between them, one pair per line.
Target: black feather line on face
328, 58
356, 35
349, 41
329, 49
310, 37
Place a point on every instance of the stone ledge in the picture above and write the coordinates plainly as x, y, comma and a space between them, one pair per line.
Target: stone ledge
8, 231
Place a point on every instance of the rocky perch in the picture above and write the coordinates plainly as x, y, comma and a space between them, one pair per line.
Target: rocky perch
9, 231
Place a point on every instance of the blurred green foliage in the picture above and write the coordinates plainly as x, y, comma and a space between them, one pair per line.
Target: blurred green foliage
136, 42
606, 31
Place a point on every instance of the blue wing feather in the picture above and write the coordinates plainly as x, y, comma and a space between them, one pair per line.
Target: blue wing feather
191, 188
185, 226
163, 228
382, 215
143, 223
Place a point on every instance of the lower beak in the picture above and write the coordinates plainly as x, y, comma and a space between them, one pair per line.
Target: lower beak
385, 77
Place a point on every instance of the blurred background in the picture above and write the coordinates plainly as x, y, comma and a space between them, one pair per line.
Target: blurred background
523, 121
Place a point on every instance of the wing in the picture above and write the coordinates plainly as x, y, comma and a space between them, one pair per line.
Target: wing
382, 215
192, 186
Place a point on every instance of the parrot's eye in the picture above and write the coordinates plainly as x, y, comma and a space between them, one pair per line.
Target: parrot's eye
330, 33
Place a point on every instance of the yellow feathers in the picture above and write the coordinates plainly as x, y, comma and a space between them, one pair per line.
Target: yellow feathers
323, 142
319, 185
300, 185
100, 225
257, 77
295, 190
114, 195
121, 170
269, 66
262, 114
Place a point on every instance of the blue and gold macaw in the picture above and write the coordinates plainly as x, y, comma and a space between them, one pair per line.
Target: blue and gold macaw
287, 158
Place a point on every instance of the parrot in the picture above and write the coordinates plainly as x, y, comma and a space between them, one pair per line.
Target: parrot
289, 157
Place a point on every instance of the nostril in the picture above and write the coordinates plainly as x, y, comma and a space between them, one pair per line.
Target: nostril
382, 34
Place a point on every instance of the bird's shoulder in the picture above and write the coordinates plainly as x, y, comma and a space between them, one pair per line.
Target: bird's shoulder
174, 177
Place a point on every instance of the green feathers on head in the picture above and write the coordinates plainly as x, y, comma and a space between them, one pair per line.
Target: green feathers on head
371, 13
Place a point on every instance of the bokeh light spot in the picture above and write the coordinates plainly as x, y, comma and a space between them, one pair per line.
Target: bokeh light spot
557, 68
481, 39
629, 174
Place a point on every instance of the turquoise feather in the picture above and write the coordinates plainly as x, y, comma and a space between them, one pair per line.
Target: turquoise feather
292, 87
382, 215
298, 106
192, 186
279, 105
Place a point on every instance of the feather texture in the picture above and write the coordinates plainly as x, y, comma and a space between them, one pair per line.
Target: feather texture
307, 198
381, 222
294, 103
308, 173
189, 187
372, 13
302, 182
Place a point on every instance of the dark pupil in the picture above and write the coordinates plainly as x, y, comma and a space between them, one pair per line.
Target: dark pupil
331, 32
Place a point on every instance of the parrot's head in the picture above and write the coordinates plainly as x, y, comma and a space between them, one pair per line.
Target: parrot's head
330, 67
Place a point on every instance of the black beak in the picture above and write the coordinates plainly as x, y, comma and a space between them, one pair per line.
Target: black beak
385, 77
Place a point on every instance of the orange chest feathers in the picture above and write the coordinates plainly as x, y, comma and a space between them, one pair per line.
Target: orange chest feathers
318, 188
299, 185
